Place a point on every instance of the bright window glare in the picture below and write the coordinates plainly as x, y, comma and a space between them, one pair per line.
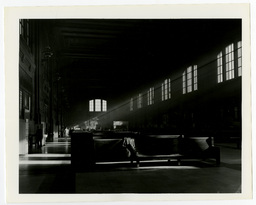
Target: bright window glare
97, 105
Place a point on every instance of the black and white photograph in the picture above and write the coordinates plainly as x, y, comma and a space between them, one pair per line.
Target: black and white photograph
131, 106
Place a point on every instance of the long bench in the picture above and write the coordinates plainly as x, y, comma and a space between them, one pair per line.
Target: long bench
147, 147
87, 149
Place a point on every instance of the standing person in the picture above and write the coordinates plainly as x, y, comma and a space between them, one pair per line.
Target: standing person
66, 132
39, 137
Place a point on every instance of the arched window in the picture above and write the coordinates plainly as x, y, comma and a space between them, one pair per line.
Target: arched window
97, 105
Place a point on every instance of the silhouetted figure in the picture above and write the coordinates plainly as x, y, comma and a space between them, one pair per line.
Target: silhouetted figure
66, 132
39, 137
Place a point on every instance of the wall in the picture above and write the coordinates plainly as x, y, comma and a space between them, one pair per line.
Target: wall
213, 109
26, 93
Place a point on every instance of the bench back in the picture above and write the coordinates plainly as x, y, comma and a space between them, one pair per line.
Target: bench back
195, 145
157, 144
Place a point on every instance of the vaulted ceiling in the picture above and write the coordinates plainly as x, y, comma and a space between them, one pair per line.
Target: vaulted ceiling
111, 58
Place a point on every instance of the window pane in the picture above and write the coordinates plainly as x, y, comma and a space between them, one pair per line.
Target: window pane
139, 101
195, 77
91, 109
189, 79
239, 67
239, 62
230, 62
169, 89
195, 72
239, 58
227, 76
148, 97
189, 89
104, 105
195, 86
162, 91
166, 89
153, 95
97, 105
232, 74
184, 82
189, 82
131, 104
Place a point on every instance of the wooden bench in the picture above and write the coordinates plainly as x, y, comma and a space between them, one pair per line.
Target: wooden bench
171, 147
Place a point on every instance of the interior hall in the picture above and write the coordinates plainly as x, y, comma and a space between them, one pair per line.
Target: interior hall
130, 106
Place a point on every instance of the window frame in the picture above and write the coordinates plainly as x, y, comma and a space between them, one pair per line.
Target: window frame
97, 105
166, 89
220, 67
151, 96
190, 79
239, 58
231, 60
131, 104
139, 101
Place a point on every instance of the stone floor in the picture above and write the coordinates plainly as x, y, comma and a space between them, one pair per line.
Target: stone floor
48, 170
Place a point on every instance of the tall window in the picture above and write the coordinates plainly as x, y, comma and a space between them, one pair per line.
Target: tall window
139, 101
151, 95
166, 89
195, 78
91, 105
131, 104
189, 79
97, 105
184, 84
230, 72
220, 67
104, 105
239, 58
229, 65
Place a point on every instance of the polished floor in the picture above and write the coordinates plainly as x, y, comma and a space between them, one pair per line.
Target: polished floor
48, 170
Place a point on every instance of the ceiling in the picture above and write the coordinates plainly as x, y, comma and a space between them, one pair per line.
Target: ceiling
112, 58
